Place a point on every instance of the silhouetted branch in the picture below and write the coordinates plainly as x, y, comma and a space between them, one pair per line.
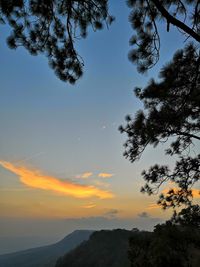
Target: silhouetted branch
175, 21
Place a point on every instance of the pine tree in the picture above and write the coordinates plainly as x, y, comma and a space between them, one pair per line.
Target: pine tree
51, 27
145, 19
172, 115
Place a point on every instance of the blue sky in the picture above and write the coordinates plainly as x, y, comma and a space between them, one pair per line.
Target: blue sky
64, 131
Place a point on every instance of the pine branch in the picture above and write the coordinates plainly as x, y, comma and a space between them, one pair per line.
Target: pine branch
174, 21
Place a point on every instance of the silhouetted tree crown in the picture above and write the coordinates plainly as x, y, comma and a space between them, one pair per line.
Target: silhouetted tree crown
189, 216
144, 18
171, 113
169, 245
51, 27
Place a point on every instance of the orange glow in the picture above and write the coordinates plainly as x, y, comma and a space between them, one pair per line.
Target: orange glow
195, 192
89, 206
105, 175
35, 179
153, 206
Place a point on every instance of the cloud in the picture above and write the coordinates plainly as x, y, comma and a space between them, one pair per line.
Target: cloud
89, 206
35, 179
143, 214
111, 213
100, 183
84, 175
13, 189
105, 175
105, 222
153, 206
195, 192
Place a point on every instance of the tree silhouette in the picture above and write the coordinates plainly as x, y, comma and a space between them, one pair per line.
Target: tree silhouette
144, 19
169, 245
171, 115
172, 105
51, 27
188, 217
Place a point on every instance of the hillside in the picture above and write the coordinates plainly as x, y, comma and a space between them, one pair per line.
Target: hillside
44, 256
104, 248
169, 245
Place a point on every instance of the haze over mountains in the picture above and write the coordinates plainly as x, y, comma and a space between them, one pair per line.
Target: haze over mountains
79, 249
168, 245
47, 255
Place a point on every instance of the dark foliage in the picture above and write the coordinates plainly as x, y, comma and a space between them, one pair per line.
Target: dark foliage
189, 216
104, 248
144, 18
51, 27
171, 113
138, 246
169, 245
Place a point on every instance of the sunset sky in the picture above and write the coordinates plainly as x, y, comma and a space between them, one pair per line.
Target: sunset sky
61, 154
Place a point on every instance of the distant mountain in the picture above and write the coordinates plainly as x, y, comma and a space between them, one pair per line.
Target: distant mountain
45, 256
104, 249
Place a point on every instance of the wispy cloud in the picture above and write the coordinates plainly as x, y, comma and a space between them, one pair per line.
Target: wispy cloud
101, 184
105, 175
35, 179
89, 206
143, 214
13, 189
111, 213
84, 175
153, 206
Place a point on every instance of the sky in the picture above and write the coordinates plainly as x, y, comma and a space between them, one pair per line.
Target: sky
61, 154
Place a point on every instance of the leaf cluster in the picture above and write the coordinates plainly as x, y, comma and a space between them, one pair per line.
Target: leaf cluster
51, 27
145, 17
189, 216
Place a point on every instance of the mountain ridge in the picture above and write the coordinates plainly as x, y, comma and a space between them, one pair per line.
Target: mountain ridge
45, 255
108, 248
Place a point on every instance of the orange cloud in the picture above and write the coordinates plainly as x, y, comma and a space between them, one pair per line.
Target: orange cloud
105, 175
195, 192
35, 179
85, 175
89, 206
153, 206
